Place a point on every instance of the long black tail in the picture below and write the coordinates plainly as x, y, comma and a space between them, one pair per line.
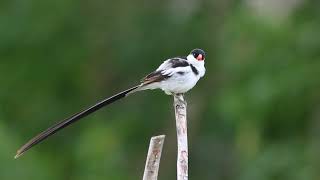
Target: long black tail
66, 122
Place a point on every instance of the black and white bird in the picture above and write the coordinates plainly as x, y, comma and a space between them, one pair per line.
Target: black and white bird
174, 76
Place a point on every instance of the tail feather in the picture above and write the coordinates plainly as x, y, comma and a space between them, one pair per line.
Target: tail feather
74, 118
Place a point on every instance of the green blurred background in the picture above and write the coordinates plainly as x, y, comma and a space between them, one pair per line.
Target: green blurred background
254, 116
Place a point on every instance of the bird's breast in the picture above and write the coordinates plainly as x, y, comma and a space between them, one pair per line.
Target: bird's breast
180, 82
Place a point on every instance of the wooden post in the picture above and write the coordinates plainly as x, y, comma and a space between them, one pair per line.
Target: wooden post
180, 107
153, 158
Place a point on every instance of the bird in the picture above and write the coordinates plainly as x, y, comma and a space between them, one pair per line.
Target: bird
174, 76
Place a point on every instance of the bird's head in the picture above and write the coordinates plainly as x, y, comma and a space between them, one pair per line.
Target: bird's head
198, 54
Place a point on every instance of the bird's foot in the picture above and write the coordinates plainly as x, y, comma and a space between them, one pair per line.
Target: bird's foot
180, 97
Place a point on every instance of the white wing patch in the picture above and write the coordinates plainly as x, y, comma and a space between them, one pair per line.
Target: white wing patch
165, 65
171, 71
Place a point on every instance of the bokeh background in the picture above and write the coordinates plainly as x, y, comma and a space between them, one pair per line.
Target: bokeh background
254, 116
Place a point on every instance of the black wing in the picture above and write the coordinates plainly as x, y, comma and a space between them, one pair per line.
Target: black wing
178, 62
157, 76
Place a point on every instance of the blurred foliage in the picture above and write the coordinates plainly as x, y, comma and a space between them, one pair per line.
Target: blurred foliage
255, 115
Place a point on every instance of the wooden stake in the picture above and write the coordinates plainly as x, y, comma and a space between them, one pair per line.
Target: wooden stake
153, 158
180, 107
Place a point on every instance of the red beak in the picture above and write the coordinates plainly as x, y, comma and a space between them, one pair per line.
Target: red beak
200, 58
